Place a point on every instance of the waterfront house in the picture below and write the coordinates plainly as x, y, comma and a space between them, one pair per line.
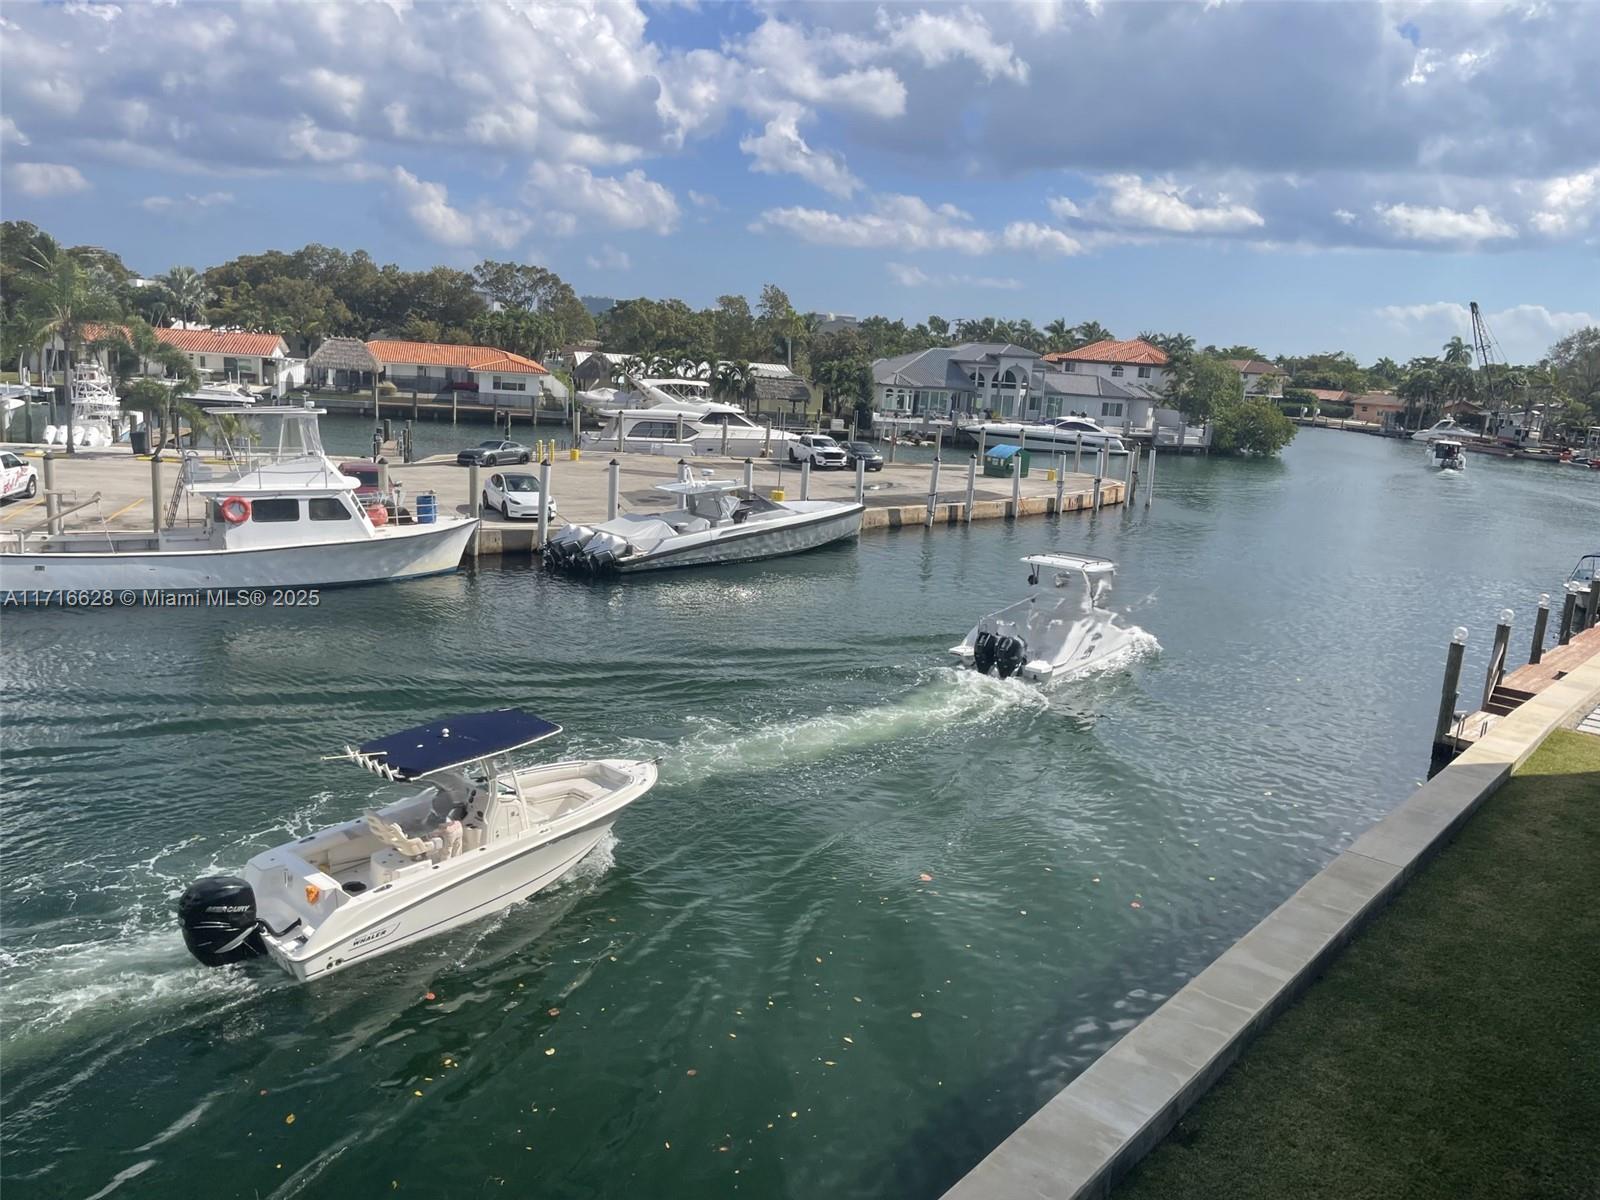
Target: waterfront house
1378, 408
488, 375
230, 355
1259, 378
1131, 361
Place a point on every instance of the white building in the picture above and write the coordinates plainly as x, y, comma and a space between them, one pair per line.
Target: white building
492, 376
1259, 378
259, 359
1132, 361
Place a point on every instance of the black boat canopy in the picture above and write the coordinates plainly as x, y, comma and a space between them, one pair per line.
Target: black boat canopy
451, 742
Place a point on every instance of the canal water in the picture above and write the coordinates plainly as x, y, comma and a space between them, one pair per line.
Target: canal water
876, 912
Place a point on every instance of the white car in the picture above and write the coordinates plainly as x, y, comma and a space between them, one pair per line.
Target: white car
17, 478
515, 494
819, 448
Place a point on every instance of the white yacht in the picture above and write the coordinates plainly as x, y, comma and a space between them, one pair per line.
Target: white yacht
473, 836
222, 394
1062, 436
96, 411
1056, 631
717, 521
683, 427
645, 393
279, 514
1447, 427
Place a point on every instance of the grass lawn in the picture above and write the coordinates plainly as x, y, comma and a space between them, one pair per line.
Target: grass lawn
1453, 1049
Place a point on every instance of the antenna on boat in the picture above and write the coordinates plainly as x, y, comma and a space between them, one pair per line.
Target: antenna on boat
368, 761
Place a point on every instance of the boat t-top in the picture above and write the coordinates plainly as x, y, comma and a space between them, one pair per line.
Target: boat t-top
471, 835
716, 521
276, 513
96, 411
1060, 629
1447, 455
1054, 437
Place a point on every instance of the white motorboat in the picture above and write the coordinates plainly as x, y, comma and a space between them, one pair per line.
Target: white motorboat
1062, 436
717, 521
280, 514
1447, 427
475, 836
96, 411
1447, 455
645, 393
680, 427
1056, 631
222, 394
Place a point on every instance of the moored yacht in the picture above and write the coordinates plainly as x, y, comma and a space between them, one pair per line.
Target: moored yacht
280, 514
471, 836
1446, 427
96, 412
687, 427
717, 521
1060, 436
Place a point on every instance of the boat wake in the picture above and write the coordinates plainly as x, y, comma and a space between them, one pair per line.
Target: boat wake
1142, 646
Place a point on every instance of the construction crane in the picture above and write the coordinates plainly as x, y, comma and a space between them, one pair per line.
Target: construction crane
1497, 391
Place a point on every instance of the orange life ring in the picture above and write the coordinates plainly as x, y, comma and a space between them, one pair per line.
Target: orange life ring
235, 510
377, 514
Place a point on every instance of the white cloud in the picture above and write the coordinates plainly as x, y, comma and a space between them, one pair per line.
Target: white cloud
428, 206
1126, 201
186, 203
46, 179
1567, 203
1344, 216
1524, 331
1423, 223
704, 200
338, 93
909, 276
1042, 239
942, 38
780, 149
895, 223
784, 58
630, 201
10, 133
609, 258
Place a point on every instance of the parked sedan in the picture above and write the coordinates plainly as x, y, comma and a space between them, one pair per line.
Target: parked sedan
493, 453
863, 452
17, 478
515, 494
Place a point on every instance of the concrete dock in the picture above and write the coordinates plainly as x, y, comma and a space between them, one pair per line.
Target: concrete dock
896, 497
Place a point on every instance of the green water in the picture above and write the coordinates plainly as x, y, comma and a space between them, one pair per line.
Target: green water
738, 972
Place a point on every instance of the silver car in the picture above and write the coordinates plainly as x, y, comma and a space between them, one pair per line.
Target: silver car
515, 495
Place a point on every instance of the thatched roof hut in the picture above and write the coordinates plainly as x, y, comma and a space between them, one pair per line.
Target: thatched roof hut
343, 354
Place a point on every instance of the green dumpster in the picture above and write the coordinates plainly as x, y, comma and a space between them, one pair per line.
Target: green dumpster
1001, 461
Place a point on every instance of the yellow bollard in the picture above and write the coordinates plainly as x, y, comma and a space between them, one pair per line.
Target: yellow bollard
1050, 474
776, 494
574, 454
538, 450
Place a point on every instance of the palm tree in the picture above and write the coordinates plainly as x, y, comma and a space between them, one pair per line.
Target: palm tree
1089, 332
1058, 334
188, 292
1457, 352
64, 299
731, 380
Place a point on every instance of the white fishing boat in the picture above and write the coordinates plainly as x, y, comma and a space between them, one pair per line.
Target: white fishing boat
96, 412
679, 427
1060, 629
473, 836
1061, 436
716, 521
278, 514
1447, 455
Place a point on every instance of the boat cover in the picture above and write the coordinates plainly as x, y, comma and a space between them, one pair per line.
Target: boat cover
452, 742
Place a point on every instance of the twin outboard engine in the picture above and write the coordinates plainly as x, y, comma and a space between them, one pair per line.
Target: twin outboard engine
995, 651
218, 915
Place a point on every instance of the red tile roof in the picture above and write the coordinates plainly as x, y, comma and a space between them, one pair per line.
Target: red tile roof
1254, 366
1111, 351
1330, 395
223, 341
438, 354
1379, 400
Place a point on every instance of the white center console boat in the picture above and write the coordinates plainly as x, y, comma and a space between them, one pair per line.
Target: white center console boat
472, 837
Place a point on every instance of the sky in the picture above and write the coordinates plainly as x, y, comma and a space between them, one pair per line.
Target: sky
1297, 176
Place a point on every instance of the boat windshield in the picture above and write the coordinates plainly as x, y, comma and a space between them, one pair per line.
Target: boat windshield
253, 438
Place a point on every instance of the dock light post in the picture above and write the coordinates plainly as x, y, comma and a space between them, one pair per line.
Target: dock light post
1568, 613
933, 492
724, 439
474, 493
544, 501
683, 471
1150, 476
1452, 680
983, 440
805, 480
894, 439
1061, 482
1497, 657
1541, 618
52, 502
1099, 475
1016, 482
613, 487
619, 432
749, 475
577, 424
972, 486
680, 429
861, 481
155, 495
1127, 476
1077, 454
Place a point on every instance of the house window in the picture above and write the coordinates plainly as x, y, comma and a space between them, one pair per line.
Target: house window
1116, 371
1111, 409
200, 361
502, 384
1144, 372
1069, 367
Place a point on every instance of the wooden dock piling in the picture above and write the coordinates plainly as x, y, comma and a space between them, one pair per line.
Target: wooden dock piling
1541, 618
1450, 692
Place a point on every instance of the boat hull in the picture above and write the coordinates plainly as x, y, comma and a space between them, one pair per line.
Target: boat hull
405, 920
405, 552
1041, 440
750, 543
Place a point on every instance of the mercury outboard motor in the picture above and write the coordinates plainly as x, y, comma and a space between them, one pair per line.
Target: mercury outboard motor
218, 915
983, 651
1008, 657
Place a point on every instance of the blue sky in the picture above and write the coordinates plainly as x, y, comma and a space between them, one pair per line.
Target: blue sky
1296, 175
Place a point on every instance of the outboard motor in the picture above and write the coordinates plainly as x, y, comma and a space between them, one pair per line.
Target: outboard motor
218, 915
983, 651
1008, 657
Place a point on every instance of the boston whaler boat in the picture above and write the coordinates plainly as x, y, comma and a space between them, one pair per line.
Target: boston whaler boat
1054, 633
1447, 455
718, 521
473, 838
280, 514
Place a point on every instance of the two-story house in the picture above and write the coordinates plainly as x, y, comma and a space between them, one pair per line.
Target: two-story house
492, 376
